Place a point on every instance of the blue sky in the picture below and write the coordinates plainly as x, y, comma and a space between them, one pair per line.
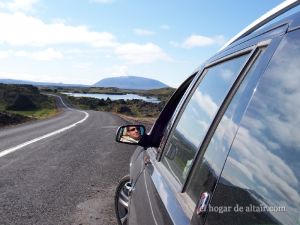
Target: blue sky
84, 41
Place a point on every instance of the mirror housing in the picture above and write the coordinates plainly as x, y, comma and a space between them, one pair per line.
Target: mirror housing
131, 134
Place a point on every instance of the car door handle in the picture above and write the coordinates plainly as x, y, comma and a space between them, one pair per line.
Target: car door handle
147, 160
203, 203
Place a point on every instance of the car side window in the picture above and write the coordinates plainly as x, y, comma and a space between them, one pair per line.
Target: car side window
260, 183
210, 162
199, 113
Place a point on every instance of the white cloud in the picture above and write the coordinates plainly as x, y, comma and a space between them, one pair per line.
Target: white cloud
29, 31
227, 74
22, 76
202, 41
136, 54
143, 32
44, 76
120, 71
112, 71
59, 20
75, 51
19, 5
4, 54
84, 65
22, 54
206, 103
45, 55
48, 54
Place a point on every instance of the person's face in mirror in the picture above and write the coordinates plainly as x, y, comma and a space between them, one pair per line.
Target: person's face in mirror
134, 133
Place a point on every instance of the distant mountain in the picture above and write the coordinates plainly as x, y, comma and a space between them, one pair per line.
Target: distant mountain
130, 82
11, 81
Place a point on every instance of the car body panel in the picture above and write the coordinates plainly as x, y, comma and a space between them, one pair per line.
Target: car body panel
154, 189
146, 206
156, 197
262, 170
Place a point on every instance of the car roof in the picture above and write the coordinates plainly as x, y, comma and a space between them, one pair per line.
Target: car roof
264, 19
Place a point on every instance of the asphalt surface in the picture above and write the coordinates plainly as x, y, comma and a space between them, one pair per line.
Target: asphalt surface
67, 178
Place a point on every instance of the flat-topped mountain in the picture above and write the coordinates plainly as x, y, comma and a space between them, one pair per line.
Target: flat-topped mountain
123, 82
130, 82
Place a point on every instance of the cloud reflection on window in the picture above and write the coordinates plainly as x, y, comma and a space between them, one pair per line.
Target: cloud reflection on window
199, 114
265, 155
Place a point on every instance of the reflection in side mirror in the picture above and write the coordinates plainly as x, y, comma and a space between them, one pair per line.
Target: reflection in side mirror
130, 134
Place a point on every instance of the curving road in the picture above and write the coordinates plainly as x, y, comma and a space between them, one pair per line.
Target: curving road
61, 170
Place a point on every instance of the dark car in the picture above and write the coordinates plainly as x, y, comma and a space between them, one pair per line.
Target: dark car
226, 147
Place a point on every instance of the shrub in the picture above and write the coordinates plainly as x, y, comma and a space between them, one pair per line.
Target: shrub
22, 103
124, 110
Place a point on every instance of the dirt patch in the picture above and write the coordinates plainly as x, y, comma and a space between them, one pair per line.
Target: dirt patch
146, 121
98, 210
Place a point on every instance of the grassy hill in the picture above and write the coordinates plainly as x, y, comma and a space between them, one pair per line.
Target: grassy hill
20, 103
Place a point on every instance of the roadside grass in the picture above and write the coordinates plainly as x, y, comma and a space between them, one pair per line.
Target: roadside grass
47, 109
37, 114
23, 103
148, 122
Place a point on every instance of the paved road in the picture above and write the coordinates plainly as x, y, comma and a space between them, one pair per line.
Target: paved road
67, 178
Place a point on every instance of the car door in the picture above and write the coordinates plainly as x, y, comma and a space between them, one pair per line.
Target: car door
261, 178
193, 150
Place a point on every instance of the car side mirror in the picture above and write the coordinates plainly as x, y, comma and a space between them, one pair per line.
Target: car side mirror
130, 134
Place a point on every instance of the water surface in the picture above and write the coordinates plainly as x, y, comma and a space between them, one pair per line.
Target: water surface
115, 97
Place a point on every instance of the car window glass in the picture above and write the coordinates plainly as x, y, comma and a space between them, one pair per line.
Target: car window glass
261, 178
198, 115
209, 167
168, 120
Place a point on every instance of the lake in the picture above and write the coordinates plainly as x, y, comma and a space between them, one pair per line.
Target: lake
115, 97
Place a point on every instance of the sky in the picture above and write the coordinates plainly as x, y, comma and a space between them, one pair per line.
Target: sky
84, 41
